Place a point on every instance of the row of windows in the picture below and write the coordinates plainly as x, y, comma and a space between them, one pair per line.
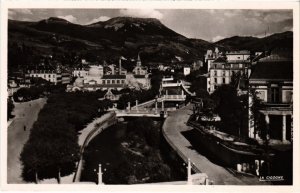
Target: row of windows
231, 66
45, 75
113, 81
287, 96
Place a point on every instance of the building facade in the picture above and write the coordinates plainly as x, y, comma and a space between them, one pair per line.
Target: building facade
272, 83
80, 72
222, 69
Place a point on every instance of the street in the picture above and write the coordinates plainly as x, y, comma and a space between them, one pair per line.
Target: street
18, 133
174, 125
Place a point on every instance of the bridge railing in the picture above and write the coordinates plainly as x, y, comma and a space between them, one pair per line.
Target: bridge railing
173, 96
171, 84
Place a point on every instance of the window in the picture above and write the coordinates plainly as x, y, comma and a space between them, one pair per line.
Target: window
215, 80
123, 81
215, 73
49, 76
113, 81
108, 81
223, 80
224, 73
287, 96
104, 82
118, 81
274, 94
261, 95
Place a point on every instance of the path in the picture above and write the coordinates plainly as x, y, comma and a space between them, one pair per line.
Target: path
25, 114
172, 128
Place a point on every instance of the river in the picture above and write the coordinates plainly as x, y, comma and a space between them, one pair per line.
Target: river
107, 149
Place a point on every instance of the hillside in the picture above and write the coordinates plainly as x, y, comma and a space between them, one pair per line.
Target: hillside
283, 40
120, 36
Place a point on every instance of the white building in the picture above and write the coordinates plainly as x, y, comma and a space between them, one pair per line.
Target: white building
222, 69
54, 76
80, 72
186, 70
210, 56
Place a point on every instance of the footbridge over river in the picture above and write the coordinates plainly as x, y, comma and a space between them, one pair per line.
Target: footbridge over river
170, 91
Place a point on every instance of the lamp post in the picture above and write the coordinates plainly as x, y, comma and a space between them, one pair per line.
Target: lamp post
100, 175
136, 105
189, 173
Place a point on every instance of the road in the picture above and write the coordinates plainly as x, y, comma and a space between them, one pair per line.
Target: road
25, 115
173, 126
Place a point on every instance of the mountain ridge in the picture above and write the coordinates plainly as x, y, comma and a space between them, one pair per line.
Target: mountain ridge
124, 36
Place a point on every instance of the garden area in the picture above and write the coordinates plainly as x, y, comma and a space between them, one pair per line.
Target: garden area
52, 148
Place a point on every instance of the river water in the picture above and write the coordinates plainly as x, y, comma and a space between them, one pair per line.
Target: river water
106, 149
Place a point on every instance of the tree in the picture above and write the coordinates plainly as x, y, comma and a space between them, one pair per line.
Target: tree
229, 108
199, 87
255, 115
10, 108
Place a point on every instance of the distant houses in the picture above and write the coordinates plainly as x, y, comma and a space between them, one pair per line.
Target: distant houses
99, 77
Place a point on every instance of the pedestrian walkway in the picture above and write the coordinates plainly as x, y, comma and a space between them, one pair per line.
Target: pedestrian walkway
172, 128
17, 135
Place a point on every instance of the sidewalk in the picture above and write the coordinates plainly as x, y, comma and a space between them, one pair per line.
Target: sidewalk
172, 128
25, 115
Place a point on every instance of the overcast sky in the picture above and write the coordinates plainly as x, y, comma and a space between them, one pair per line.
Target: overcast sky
210, 25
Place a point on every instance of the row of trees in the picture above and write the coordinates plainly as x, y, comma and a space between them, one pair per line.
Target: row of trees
52, 149
232, 108
39, 89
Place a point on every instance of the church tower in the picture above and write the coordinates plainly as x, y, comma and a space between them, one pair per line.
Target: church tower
138, 63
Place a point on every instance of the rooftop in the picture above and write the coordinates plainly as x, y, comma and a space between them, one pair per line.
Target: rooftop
220, 60
273, 70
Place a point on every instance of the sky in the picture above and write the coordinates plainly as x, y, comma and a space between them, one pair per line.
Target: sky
207, 24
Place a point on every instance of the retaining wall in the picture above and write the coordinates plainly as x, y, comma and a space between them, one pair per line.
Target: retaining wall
104, 122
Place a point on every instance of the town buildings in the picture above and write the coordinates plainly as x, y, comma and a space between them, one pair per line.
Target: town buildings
272, 83
80, 72
100, 78
55, 76
224, 69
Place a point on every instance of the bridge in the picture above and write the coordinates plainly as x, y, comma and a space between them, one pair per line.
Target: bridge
141, 113
143, 110
146, 109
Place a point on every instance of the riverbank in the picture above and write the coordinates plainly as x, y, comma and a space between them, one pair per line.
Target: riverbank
128, 157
